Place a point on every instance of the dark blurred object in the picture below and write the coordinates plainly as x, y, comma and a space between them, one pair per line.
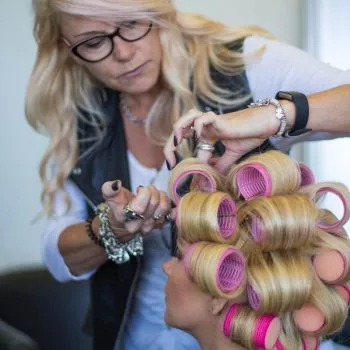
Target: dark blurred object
40, 313
13, 339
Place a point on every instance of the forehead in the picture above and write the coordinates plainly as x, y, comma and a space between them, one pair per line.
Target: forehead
73, 26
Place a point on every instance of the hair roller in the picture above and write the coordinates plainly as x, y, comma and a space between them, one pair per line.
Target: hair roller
328, 218
278, 281
330, 265
279, 222
213, 220
192, 174
218, 269
306, 174
344, 291
264, 174
241, 325
316, 192
323, 314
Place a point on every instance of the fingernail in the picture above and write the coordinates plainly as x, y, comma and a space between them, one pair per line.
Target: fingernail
168, 165
172, 204
177, 157
175, 141
195, 135
139, 188
116, 185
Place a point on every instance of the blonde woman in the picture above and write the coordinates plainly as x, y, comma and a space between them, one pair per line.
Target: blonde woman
252, 264
110, 79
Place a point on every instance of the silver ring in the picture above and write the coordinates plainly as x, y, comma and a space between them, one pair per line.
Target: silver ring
204, 146
157, 217
168, 218
131, 215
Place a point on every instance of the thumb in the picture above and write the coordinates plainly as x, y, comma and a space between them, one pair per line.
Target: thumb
113, 191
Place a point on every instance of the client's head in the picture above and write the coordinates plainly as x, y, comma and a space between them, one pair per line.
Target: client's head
260, 265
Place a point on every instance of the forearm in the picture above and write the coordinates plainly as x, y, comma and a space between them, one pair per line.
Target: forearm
79, 252
330, 110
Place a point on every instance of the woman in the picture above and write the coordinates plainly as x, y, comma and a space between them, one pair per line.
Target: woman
110, 79
251, 267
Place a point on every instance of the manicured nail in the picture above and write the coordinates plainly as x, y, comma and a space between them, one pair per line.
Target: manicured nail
175, 141
172, 204
116, 185
177, 157
168, 165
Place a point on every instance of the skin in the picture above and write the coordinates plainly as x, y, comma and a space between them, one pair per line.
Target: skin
140, 91
190, 309
242, 131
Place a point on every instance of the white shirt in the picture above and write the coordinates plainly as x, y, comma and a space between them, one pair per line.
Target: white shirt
281, 67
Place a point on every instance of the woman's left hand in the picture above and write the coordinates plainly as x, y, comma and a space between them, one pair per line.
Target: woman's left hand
240, 132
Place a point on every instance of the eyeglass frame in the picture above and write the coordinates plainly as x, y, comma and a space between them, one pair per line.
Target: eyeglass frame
74, 48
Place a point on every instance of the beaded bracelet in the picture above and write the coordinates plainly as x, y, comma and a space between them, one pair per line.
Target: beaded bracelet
98, 241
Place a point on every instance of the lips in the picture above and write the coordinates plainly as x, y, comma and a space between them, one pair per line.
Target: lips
133, 72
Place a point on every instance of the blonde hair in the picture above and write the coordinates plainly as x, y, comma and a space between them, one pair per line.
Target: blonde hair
279, 235
60, 90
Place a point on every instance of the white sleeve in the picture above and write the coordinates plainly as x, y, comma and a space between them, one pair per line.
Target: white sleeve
56, 224
285, 67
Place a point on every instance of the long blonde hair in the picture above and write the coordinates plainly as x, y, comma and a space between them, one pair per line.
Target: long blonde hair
60, 90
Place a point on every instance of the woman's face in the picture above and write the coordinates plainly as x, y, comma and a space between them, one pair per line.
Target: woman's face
186, 305
132, 67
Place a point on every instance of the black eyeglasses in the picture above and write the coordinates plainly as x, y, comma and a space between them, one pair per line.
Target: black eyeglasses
100, 47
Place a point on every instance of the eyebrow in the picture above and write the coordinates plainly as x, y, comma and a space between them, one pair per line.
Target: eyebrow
94, 32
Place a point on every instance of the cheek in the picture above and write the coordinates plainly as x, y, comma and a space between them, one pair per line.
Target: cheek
184, 301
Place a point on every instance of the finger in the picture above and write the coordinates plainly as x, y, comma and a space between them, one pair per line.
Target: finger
153, 202
207, 127
168, 151
226, 161
182, 128
162, 210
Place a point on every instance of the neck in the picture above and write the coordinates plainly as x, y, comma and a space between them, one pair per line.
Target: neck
143, 101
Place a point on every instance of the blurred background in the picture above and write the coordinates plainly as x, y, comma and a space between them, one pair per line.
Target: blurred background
321, 27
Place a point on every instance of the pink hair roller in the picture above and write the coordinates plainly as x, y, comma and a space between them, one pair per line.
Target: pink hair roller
230, 272
310, 343
254, 180
344, 291
278, 346
230, 314
227, 220
329, 265
309, 318
253, 297
346, 213
266, 328
266, 331
207, 184
307, 176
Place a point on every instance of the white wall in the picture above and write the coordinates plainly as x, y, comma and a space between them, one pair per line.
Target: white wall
21, 148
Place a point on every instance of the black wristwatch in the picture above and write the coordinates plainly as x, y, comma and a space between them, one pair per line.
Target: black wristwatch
301, 111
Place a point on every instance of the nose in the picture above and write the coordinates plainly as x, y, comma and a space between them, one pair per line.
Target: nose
123, 50
168, 266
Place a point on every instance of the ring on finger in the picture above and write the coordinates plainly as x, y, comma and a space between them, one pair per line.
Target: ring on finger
130, 214
157, 217
205, 146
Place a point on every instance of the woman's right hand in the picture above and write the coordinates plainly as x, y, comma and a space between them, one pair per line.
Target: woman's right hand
148, 202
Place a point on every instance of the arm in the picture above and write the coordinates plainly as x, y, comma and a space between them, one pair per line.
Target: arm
65, 240
284, 67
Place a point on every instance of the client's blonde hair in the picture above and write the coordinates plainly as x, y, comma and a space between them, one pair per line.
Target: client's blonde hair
278, 234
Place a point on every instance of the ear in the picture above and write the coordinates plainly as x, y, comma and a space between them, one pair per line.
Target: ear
218, 304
